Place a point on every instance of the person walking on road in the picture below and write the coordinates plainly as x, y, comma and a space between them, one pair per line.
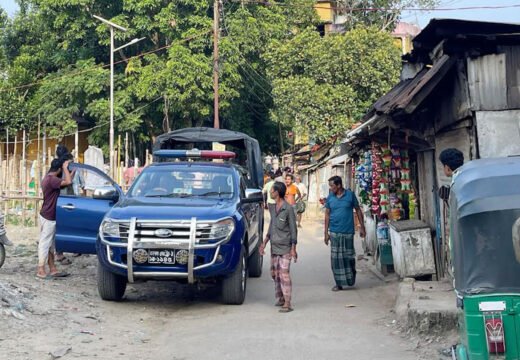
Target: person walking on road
267, 190
292, 192
300, 203
51, 185
340, 231
283, 236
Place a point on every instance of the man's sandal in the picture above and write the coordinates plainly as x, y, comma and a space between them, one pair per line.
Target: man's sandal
279, 303
285, 310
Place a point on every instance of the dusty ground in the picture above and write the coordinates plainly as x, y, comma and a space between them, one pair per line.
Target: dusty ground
163, 320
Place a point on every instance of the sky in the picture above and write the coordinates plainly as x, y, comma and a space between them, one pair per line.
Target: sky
422, 18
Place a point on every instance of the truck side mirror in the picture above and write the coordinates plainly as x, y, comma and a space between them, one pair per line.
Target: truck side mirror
253, 196
105, 193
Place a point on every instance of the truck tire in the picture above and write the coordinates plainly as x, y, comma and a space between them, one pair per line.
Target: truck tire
234, 286
255, 264
2, 255
111, 287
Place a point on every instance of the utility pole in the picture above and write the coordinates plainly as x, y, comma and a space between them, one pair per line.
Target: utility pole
216, 32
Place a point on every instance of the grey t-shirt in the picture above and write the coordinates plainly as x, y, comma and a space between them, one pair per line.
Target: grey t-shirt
283, 232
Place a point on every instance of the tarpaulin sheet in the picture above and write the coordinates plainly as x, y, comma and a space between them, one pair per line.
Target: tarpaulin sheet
200, 135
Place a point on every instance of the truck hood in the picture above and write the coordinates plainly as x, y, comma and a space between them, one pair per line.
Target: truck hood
172, 208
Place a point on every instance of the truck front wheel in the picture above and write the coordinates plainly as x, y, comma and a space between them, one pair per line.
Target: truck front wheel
111, 286
255, 264
234, 286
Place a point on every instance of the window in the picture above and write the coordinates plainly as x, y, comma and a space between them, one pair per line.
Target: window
85, 182
203, 182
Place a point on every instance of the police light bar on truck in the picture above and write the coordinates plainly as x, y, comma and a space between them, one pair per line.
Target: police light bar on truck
194, 154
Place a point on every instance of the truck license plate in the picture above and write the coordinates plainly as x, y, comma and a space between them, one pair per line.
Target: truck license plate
161, 257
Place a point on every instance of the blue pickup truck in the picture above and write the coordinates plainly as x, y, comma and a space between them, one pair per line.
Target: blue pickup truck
191, 216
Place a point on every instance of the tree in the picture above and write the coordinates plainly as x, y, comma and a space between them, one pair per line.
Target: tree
383, 14
321, 85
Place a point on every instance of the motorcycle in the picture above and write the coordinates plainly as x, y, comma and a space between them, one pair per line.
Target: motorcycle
4, 241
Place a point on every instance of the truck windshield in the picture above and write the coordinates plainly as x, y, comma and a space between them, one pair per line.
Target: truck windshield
188, 182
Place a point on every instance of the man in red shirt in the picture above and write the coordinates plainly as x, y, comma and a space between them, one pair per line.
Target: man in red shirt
51, 185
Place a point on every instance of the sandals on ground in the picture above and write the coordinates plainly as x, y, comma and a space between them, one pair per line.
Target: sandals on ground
285, 310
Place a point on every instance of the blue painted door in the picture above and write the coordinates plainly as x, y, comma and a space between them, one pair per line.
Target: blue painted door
81, 208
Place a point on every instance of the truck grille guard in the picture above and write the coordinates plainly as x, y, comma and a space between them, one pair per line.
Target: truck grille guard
195, 240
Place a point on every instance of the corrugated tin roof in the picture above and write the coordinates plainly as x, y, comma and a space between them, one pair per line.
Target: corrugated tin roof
440, 29
403, 95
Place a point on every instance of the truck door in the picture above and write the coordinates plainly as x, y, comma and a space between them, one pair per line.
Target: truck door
81, 208
253, 213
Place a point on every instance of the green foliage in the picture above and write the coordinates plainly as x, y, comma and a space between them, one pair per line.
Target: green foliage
273, 68
321, 85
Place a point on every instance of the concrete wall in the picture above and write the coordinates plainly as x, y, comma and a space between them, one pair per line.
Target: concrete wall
498, 133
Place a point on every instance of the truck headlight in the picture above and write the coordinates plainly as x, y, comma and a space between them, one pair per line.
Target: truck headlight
110, 228
222, 229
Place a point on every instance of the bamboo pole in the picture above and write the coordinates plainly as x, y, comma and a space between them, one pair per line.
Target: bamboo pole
76, 144
6, 188
37, 175
2, 173
118, 162
126, 150
23, 178
14, 166
44, 151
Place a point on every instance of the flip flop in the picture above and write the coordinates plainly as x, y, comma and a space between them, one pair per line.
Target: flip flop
285, 310
60, 274
46, 277
337, 288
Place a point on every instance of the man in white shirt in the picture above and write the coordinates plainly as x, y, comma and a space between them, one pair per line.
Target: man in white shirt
300, 206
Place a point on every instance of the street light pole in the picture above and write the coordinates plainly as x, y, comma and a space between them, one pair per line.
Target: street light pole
112, 167
113, 27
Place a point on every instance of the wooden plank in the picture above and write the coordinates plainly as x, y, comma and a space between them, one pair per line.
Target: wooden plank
426, 173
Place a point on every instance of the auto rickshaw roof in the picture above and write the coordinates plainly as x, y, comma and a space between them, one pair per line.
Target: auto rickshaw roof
486, 185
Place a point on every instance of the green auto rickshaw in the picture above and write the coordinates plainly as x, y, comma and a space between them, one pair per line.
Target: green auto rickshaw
485, 241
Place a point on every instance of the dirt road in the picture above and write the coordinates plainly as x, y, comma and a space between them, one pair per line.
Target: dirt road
163, 320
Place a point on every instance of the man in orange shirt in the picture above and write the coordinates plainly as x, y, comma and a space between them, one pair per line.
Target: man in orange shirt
292, 190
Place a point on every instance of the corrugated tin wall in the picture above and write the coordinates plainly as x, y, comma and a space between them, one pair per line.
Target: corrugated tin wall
494, 80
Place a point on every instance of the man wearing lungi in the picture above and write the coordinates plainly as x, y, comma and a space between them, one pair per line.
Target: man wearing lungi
283, 235
339, 230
